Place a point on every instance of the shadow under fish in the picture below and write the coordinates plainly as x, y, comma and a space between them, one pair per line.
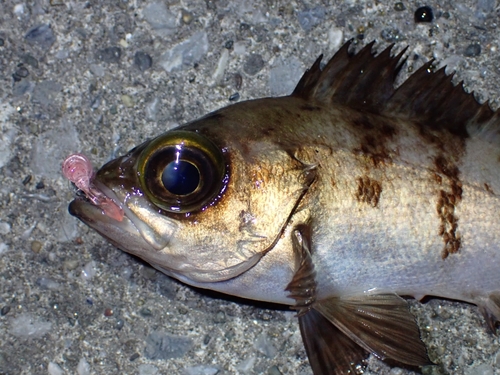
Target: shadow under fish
335, 200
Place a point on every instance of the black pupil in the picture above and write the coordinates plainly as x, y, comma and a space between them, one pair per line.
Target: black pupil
180, 177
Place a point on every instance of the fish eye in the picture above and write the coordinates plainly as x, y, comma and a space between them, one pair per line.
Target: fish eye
180, 177
181, 171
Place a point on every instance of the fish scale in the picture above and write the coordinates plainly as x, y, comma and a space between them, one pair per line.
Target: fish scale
336, 200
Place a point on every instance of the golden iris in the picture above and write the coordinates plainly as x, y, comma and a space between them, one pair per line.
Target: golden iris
181, 171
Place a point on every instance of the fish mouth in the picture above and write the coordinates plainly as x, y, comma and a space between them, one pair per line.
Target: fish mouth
133, 235
116, 232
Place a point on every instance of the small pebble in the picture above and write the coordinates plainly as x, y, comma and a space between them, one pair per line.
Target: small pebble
187, 17
424, 14
110, 55
29, 326
206, 339
185, 54
229, 44
20, 73
311, 17
253, 64
220, 317
88, 270
97, 70
238, 81
70, 264
41, 35
274, 370
484, 8
210, 5
54, 369
30, 60
160, 345
36, 246
264, 345
3, 248
146, 311
48, 283
2, 42
40, 185
27, 233
19, 10
245, 26
221, 67
143, 61
134, 356
83, 367
160, 18
399, 6
229, 335
234, 97
146, 369
473, 50
27, 180
120, 323
127, 101
5, 310
247, 364
23, 87
4, 227
108, 312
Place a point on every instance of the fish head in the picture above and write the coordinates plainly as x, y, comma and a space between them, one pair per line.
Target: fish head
204, 202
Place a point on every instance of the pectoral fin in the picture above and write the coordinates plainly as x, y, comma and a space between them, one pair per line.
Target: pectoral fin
381, 324
490, 307
328, 349
340, 332
302, 288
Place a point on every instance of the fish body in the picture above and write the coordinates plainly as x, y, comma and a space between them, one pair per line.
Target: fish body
335, 200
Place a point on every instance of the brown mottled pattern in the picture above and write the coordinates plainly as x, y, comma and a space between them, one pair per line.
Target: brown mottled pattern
374, 136
449, 196
369, 191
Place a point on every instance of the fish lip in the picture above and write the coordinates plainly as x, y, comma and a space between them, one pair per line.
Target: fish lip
84, 210
126, 236
122, 234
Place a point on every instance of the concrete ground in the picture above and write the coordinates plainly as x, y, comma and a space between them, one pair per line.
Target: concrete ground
101, 76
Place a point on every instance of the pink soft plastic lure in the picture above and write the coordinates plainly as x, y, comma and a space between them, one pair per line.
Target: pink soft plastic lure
78, 169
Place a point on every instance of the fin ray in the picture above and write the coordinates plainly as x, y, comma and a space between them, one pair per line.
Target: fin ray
328, 349
491, 311
381, 324
302, 288
365, 81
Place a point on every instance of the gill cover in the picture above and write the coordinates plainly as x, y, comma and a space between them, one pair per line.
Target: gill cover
181, 171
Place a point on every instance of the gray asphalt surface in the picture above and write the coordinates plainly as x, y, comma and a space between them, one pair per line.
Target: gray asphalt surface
100, 77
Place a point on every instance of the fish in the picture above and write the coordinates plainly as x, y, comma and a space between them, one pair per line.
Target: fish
341, 200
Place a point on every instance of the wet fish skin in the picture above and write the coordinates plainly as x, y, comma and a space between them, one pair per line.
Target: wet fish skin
334, 200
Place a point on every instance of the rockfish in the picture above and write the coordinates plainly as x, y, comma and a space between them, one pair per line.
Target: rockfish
336, 200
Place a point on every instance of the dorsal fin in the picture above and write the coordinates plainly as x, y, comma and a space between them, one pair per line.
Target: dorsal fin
431, 97
365, 81
361, 80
